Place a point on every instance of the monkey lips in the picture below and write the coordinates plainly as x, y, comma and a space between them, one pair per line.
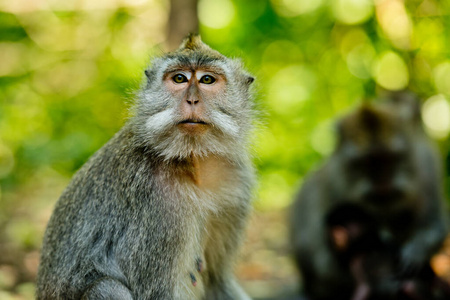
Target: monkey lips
193, 126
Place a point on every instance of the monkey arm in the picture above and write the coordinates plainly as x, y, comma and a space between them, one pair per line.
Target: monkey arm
419, 249
107, 289
431, 226
426, 240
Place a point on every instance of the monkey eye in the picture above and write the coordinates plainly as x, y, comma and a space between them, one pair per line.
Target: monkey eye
207, 79
179, 78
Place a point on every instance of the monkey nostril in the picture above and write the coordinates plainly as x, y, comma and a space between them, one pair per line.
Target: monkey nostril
192, 101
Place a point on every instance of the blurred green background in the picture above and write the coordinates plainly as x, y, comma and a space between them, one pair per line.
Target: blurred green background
69, 70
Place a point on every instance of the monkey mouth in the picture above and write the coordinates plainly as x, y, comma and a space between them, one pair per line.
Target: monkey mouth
193, 127
193, 121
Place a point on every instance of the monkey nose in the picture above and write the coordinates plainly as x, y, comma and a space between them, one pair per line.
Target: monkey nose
192, 101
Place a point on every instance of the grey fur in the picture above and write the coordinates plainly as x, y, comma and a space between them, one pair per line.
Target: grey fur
130, 226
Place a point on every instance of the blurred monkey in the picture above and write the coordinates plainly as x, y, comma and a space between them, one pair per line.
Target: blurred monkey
159, 212
385, 163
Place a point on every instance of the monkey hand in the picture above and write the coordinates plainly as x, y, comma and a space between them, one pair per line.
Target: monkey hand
412, 260
417, 252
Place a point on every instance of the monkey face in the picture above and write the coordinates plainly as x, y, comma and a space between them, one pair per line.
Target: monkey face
196, 91
196, 102
375, 147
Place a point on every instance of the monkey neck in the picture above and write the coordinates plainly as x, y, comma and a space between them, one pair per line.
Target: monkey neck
208, 172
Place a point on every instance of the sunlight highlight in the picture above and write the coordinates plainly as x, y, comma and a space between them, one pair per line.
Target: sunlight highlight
436, 116
292, 8
352, 11
391, 72
441, 77
216, 14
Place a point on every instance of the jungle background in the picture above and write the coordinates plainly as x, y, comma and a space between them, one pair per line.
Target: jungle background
69, 70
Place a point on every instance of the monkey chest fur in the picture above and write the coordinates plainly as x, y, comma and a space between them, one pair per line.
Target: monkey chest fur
216, 197
204, 210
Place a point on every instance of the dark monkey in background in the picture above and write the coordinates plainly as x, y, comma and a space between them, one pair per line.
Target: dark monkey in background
159, 211
385, 163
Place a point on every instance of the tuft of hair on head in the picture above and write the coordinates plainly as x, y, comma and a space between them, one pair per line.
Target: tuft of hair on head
370, 119
193, 43
367, 120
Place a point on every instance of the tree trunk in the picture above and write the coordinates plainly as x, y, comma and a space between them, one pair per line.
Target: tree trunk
183, 20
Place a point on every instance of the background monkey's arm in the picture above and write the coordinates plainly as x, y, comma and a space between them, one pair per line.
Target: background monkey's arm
431, 224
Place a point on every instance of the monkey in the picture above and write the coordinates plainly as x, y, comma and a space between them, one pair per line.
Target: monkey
384, 162
159, 212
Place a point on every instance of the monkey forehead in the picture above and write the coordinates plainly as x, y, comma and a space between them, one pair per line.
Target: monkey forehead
362, 146
220, 66
373, 127
195, 58
370, 122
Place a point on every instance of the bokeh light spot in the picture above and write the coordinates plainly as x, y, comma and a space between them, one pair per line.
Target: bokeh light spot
323, 138
436, 116
290, 87
360, 59
391, 72
441, 76
352, 11
292, 8
395, 22
352, 39
216, 14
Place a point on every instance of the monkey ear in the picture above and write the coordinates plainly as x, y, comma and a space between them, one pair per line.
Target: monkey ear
407, 104
150, 75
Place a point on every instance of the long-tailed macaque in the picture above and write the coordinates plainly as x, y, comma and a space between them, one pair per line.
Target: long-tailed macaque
159, 211
385, 163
